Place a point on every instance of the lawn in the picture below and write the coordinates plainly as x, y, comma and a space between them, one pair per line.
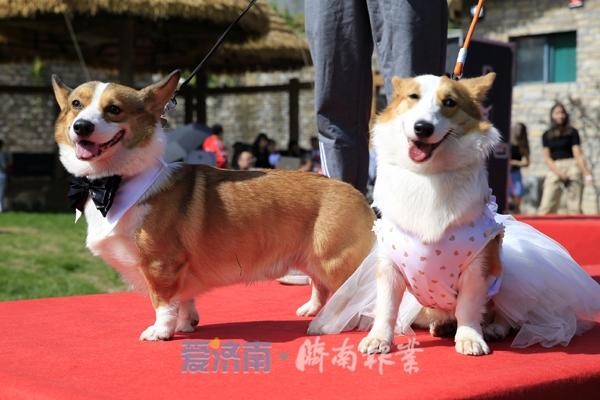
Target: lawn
44, 255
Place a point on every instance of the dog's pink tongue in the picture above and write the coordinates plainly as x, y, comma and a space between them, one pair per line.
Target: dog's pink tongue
419, 152
85, 150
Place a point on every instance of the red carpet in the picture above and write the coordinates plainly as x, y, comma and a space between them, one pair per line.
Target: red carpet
86, 347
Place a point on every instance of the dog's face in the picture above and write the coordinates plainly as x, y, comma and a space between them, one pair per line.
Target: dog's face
435, 124
107, 129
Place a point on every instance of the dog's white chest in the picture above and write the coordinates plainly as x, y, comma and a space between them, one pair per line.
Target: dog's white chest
115, 244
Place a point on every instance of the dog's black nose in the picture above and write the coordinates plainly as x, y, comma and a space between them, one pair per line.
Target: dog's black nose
83, 127
423, 129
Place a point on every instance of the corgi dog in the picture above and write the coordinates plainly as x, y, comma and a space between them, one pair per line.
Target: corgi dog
179, 230
432, 143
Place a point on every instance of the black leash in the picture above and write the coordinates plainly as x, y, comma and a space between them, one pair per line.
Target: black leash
173, 102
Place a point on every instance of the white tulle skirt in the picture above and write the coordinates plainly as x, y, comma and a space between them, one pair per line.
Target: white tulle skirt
545, 295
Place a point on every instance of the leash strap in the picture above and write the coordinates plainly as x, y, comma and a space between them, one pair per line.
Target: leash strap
173, 102
462, 53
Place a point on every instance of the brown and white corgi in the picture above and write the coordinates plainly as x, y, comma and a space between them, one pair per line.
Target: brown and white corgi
432, 142
181, 230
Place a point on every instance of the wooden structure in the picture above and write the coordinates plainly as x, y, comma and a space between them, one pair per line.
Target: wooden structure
131, 35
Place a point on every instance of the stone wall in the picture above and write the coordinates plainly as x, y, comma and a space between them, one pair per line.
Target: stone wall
507, 19
244, 116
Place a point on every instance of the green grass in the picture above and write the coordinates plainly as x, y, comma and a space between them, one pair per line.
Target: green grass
44, 255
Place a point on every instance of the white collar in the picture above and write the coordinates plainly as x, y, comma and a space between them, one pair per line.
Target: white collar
130, 191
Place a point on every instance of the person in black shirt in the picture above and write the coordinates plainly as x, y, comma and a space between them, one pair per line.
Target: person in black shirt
566, 163
519, 158
260, 150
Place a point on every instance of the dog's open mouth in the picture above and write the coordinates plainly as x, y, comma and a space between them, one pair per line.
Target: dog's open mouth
420, 151
86, 150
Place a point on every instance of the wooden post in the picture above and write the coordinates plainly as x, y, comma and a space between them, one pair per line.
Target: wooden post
201, 85
126, 50
294, 110
188, 97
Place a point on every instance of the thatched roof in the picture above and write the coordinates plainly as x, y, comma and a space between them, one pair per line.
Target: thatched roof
218, 12
281, 48
164, 34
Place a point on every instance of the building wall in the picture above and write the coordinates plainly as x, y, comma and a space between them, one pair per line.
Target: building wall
505, 19
244, 116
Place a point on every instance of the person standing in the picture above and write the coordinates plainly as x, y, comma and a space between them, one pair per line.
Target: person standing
260, 150
410, 39
4, 165
566, 164
519, 158
214, 144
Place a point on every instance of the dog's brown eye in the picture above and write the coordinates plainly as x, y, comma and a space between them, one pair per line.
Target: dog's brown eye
448, 102
414, 96
112, 109
76, 104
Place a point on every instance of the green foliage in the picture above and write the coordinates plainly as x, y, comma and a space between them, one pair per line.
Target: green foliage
294, 21
44, 255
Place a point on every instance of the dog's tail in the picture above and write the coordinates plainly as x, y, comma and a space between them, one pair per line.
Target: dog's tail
352, 306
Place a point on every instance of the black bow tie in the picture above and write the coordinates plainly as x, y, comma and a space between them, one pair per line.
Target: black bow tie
103, 192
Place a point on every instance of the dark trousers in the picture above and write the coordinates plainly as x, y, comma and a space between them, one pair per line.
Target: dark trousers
410, 39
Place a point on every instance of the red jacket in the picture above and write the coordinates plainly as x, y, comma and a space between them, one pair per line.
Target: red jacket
215, 145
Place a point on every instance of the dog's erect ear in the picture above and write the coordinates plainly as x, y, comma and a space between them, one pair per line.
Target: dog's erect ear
158, 94
61, 91
397, 84
479, 87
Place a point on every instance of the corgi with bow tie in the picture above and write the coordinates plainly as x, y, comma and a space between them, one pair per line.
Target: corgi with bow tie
179, 230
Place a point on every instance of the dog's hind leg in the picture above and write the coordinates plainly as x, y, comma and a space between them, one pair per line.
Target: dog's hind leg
497, 330
187, 317
317, 299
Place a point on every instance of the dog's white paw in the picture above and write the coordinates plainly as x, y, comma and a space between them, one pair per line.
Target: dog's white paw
308, 309
373, 344
470, 342
154, 333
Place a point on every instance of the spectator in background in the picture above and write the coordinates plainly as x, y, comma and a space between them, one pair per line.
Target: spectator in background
519, 158
245, 161
4, 166
294, 150
238, 148
311, 160
274, 155
214, 144
566, 164
260, 150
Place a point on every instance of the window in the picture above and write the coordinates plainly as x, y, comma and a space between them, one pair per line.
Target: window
546, 58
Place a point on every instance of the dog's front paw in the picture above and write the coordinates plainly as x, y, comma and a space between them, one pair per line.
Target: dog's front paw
308, 309
154, 333
496, 331
470, 342
188, 317
373, 344
185, 326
